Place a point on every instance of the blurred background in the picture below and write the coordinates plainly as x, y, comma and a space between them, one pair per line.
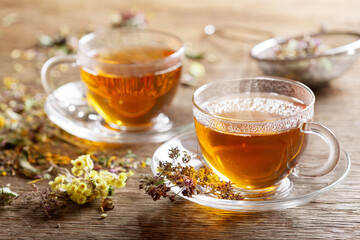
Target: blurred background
245, 22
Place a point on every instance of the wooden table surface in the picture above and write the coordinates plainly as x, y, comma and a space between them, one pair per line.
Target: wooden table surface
335, 215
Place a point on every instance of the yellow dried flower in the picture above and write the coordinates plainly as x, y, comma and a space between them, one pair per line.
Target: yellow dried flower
71, 189
76, 181
120, 184
82, 187
77, 172
78, 192
60, 179
93, 174
62, 187
97, 180
112, 182
81, 199
53, 185
87, 184
2, 121
74, 198
83, 162
89, 162
79, 163
122, 176
91, 198
103, 186
87, 192
96, 193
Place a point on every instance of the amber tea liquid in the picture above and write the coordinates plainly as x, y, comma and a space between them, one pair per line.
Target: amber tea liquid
136, 100
252, 161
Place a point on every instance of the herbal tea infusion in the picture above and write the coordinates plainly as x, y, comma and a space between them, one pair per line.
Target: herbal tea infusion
131, 101
251, 160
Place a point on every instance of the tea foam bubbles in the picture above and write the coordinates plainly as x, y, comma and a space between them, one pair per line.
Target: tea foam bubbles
257, 106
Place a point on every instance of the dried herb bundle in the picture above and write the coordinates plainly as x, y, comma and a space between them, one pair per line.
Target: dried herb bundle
192, 182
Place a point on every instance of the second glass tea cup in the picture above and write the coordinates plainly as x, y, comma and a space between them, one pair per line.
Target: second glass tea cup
131, 75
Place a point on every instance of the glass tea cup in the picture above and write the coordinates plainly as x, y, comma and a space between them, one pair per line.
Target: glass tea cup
131, 75
253, 131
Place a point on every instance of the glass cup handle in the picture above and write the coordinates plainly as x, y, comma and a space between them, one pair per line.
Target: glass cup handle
49, 64
334, 150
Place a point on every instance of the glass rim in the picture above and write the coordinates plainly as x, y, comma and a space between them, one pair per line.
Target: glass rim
266, 78
93, 35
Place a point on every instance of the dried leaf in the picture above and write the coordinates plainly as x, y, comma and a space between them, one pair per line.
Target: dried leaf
197, 70
194, 54
28, 169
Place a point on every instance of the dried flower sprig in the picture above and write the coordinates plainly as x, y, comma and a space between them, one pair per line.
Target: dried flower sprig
7, 196
85, 184
49, 201
177, 172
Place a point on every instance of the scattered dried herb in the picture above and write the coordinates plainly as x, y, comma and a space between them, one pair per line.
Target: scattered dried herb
29, 142
116, 163
177, 172
26, 135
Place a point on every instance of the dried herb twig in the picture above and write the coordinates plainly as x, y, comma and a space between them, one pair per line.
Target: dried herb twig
49, 201
192, 182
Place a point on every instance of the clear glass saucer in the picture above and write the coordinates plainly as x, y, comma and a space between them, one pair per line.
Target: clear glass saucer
303, 190
67, 107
